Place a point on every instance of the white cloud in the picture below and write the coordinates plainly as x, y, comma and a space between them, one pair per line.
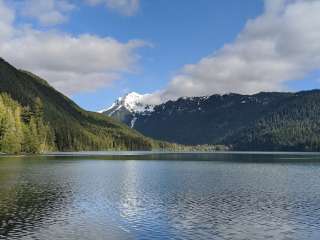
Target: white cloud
47, 12
125, 7
6, 21
70, 63
53, 12
282, 44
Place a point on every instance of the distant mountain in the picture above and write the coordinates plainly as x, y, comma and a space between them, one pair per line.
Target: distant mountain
263, 121
127, 107
34, 117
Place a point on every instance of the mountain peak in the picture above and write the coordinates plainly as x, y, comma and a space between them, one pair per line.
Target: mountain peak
133, 94
127, 107
132, 102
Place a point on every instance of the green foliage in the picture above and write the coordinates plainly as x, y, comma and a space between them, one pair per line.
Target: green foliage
35, 118
22, 134
292, 126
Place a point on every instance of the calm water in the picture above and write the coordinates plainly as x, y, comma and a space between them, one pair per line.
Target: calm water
160, 196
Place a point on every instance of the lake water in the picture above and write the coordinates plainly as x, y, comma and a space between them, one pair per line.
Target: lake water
160, 196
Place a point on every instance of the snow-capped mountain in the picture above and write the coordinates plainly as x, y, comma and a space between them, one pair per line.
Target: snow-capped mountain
125, 108
230, 119
264, 121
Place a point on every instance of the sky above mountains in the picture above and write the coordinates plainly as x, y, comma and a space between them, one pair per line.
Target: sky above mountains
97, 50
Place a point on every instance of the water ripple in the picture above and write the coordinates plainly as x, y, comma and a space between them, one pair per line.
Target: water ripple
80, 199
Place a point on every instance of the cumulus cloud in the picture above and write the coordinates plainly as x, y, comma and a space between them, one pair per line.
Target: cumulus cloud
70, 63
6, 21
282, 44
47, 12
125, 7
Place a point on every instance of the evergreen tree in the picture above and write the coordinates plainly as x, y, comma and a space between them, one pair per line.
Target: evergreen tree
9, 142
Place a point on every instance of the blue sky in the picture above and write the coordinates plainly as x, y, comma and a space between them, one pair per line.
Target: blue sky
97, 50
180, 31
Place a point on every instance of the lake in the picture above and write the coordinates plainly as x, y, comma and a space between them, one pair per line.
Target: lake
160, 196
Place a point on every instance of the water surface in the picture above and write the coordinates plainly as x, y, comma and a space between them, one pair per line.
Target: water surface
160, 196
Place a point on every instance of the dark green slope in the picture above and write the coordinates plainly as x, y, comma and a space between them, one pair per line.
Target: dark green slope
293, 125
73, 128
263, 121
206, 120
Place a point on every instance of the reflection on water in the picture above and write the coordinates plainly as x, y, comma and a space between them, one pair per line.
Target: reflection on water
192, 196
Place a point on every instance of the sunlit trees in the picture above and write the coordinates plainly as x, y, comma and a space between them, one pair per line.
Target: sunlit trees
23, 132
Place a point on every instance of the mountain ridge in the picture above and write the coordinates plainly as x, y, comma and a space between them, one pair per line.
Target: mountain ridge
246, 122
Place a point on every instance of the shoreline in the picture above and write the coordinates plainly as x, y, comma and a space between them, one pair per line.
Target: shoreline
145, 153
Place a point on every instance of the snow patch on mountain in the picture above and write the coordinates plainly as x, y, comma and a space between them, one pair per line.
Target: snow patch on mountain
133, 102
133, 121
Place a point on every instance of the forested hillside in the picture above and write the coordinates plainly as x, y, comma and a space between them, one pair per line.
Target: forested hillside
36, 118
294, 125
22, 128
206, 120
263, 121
